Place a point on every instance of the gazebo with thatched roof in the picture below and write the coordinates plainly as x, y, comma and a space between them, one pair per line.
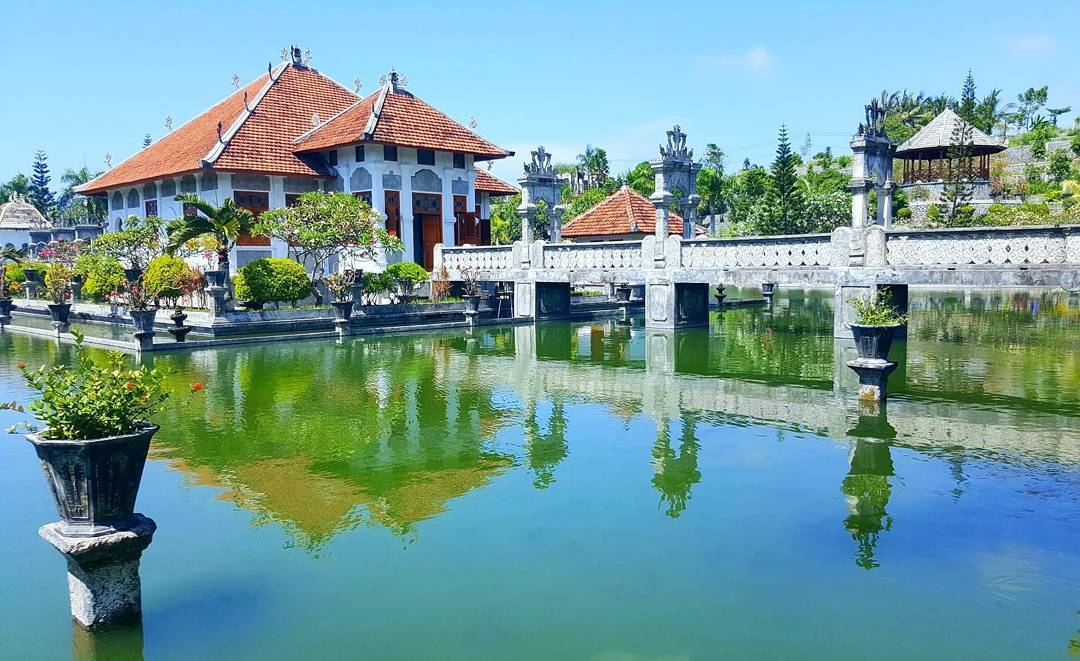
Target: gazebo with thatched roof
946, 143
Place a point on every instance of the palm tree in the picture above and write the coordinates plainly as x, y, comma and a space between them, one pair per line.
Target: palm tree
594, 163
225, 224
95, 207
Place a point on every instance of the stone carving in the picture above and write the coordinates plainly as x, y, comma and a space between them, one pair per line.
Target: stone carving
981, 247
676, 146
391, 181
874, 126
483, 259
613, 255
187, 183
541, 164
168, 188
426, 181
360, 180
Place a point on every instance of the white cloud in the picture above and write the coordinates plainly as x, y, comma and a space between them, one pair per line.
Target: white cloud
1030, 45
754, 60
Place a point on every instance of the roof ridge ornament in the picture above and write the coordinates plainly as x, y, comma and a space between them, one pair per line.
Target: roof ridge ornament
676, 145
395, 81
541, 163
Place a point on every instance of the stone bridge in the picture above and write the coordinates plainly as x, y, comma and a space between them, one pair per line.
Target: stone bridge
854, 261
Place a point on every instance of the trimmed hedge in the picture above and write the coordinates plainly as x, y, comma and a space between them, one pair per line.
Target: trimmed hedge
272, 279
169, 278
102, 274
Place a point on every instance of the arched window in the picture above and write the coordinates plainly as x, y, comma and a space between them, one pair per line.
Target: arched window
168, 188
360, 180
117, 200
133, 199
426, 181
187, 184
149, 191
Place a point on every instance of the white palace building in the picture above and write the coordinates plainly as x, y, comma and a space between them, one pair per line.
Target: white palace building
294, 130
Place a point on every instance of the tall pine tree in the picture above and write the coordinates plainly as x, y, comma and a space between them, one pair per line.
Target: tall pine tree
789, 201
968, 102
40, 195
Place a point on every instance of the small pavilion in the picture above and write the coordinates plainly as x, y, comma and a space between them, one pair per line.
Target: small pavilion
929, 155
625, 215
17, 219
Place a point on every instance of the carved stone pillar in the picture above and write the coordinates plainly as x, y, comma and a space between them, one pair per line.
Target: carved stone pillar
675, 175
540, 185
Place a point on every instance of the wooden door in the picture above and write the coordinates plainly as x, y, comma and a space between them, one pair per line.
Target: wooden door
256, 203
431, 233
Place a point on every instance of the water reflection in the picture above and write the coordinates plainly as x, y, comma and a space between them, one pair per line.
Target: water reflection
675, 472
545, 449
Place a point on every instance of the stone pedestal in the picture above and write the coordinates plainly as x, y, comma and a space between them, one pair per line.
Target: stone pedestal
217, 300
144, 341
343, 327
676, 305
470, 317
103, 572
844, 311
60, 327
873, 378
31, 289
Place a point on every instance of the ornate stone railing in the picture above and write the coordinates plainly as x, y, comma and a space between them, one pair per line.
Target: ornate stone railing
798, 251
582, 256
477, 258
991, 246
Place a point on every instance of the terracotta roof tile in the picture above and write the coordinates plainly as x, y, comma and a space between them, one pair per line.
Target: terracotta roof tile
403, 120
263, 142
489, 183
624, 212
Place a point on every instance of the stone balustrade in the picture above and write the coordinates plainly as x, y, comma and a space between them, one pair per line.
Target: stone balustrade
798, 251
989, 246
584, 256
485, 259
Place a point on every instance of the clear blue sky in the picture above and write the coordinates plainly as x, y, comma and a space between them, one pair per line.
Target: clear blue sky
82, 79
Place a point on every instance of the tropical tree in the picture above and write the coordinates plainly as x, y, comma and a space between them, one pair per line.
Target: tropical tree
72, 209
642, 179
325, 225
224, 224
135, 245
12, 255
40, 194
1057, 112
594, 162
505, 220
1029, 102
17, 185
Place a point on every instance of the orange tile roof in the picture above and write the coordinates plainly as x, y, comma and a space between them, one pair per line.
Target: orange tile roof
489, 183
262, 141
400, 119
625, 211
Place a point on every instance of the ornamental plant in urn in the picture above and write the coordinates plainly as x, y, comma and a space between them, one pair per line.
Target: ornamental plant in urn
876, 321
57, 287
341, 286
470, 288
95, 436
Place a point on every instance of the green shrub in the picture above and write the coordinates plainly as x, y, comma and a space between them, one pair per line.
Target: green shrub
170, 278
13, 279
933, 214
272, 279
407, 276
904, 214
375, 285
102, 274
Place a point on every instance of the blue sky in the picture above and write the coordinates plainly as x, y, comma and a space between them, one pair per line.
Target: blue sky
83, 79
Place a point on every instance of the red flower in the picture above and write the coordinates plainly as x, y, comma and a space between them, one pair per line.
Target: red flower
20, 364
196, 387
129, 385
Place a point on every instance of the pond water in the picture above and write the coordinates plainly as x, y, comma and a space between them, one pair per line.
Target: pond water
594, 490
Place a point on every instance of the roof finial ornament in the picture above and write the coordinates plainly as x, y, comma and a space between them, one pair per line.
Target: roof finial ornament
108, 160
219, 132
357, 84
168, 122
472, 122
246, 102
676, 145
236, 81
394, 80
315, 119
874, 125
297, 57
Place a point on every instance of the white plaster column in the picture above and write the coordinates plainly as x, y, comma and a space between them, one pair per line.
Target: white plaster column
407, 214
277, 192
448, 221
378, 193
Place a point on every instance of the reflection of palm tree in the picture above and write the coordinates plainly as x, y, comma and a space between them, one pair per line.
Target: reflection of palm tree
867, 489
546, 451
676, 473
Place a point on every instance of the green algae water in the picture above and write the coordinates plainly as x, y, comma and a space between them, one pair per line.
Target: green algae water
595, 490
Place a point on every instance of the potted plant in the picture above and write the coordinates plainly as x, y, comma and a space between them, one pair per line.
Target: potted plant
170, 279
340, 285
622, 292
408, 276
470, 288
95, 436
57, 284
876, 321
140, 306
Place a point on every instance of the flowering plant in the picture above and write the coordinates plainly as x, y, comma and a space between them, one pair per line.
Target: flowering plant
133, 295
58, 282
340, 285
61, 252
470, 281
87, 400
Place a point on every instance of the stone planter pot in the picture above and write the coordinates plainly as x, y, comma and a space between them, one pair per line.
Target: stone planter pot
622, 293
133, 274
342, 309
768, 288
143, 320
472, 303
6, 306
33, 275
215, 278
76, 290
873, 342
94, 482
60, 312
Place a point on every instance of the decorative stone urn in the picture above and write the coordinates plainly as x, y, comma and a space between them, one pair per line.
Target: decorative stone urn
342, 309
873, 342
216, 277
179, 330
622, 293
32, 275
720, 295
60, 312
143, 320
472, 303
768, 289
94, 482
6, 306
